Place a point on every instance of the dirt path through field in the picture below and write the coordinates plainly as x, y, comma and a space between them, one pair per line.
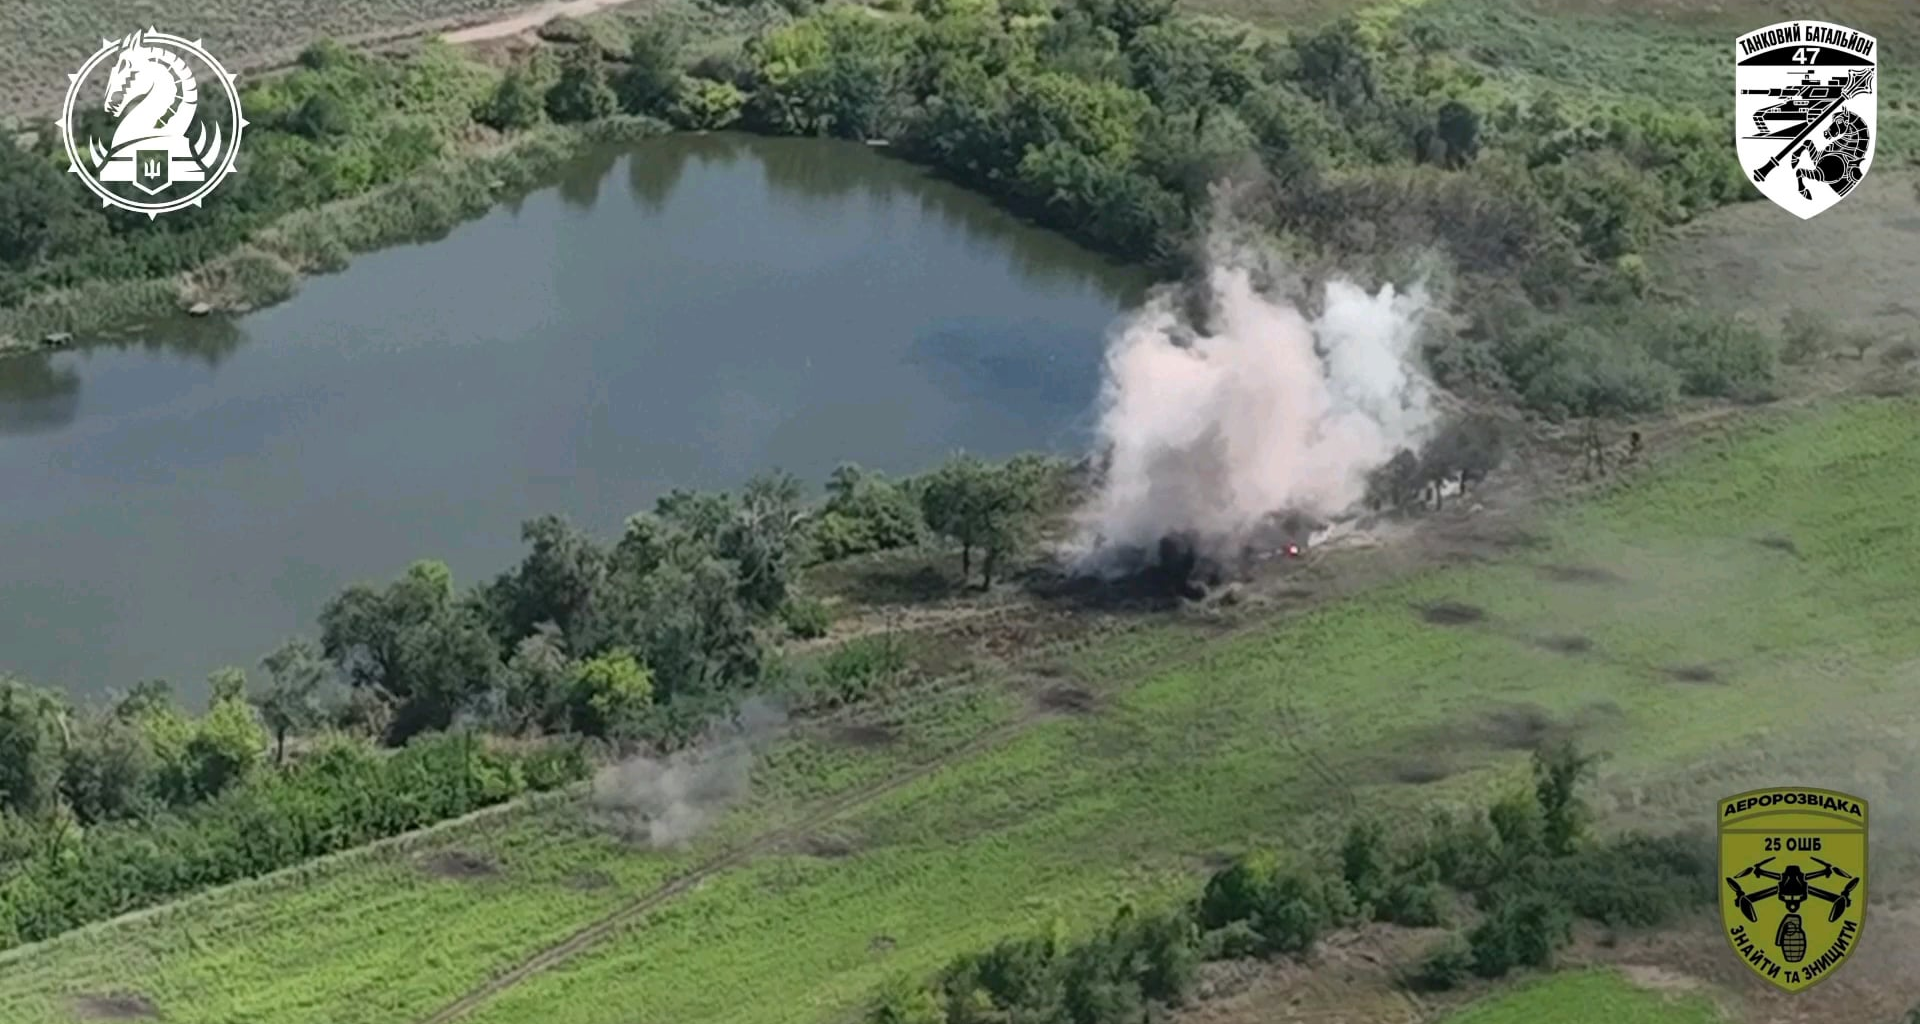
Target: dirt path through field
528, 20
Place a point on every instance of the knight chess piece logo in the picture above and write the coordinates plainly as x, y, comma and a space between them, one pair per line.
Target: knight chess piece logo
1804, 111
170, 116
1795, 865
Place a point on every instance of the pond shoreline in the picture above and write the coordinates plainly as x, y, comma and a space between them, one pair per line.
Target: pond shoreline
674, 312
268, 268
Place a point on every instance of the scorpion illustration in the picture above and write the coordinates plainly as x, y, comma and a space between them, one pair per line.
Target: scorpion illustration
1838, 163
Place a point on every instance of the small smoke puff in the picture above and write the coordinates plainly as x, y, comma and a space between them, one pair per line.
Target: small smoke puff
1211, 429
665, 801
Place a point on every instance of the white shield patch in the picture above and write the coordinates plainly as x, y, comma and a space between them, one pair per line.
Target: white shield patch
1804, 112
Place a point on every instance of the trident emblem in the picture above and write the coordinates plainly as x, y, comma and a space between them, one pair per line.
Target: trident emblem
153, 166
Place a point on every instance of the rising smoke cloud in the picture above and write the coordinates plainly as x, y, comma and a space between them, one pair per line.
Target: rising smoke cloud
1224, 404
665, 801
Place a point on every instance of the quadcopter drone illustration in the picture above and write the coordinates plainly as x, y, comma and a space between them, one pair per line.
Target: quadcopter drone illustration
1791, 888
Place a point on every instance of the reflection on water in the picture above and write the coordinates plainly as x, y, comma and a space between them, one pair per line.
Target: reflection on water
40, 391
186, 496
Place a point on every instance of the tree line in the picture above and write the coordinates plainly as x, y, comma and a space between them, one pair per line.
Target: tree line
479, 695
1510, 880
1113, 120
133, 804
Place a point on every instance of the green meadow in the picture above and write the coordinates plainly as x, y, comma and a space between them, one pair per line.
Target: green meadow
1588, 997
1705, 598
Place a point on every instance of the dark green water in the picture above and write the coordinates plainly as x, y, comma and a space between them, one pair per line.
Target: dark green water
681, 314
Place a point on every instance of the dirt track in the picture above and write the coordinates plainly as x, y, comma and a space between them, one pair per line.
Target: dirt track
527, 20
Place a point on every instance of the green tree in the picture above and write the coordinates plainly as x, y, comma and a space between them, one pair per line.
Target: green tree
703, 104
111, 770
764, 539
1557, 772
864, 512
611, 693
1126, 18
582, 92
32, 740
30, 202
651, 80
1336, 66
840, 72
536, 682
695, 633
515, 105
413, 644
984, 507
322, 117
1189, 66
554, 582
290, 702
227, 743
1458, 127
225, 684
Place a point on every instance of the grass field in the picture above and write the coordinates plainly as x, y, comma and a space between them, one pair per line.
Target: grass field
1589, 997
1701, 638
44, 41
1584, 51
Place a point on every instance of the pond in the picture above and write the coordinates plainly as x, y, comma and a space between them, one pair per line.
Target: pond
685, 312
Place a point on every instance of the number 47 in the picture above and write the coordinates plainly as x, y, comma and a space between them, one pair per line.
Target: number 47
1806, 54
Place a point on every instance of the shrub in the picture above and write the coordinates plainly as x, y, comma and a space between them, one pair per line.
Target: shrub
1806, 336
1287, 910
1521, 929
1638, 881
866, 512
857, 670
516, 103
1233, 942
565, 29
702, 104
339, 796
1235, 893
1713, 354
1449, 964
1362, 861
582, 92
651, 80
806, 618
1414, 898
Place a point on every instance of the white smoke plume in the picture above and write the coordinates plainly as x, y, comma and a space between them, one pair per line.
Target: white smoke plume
665, 801
1213, 421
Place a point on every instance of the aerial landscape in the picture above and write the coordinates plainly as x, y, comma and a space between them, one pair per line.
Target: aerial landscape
954, 512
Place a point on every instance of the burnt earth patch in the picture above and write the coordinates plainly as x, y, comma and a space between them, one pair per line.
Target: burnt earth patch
1452, 613
1519, 726
1567, 643
1067, 699
1418, 771
828, 846
865, 735
460, 866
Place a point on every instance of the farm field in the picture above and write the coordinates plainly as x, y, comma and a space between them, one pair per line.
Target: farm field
1669, 624
43, 41
1589, 997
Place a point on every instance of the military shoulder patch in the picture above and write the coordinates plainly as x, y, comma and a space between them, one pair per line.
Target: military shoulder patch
1795, 864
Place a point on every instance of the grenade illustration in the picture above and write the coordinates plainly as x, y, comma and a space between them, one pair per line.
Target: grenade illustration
1791, 938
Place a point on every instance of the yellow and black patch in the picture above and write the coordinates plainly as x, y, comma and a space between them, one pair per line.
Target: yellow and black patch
1794, 860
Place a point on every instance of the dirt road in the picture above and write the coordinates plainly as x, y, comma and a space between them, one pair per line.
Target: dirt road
528, 20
